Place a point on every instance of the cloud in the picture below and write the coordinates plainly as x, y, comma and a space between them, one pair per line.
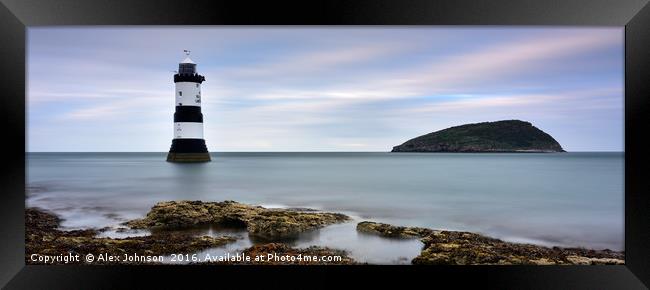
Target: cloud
471, 71
455, 74
143, 106
482, 103
318, 60
609, 98
508, 58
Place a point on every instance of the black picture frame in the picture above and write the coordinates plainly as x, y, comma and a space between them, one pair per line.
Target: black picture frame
16, 15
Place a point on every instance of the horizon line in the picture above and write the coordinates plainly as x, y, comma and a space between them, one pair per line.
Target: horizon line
586, 151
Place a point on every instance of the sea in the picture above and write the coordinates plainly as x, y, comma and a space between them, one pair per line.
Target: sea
552, 199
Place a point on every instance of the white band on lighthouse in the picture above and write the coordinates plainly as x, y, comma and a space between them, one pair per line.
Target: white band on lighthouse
188, 94
188, 130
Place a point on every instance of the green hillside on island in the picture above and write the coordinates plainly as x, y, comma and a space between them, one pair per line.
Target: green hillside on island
499, 136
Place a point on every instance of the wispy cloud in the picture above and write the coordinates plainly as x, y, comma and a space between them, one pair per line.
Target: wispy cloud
319, 60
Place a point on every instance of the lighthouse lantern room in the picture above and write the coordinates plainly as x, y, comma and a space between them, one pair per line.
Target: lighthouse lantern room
188, 144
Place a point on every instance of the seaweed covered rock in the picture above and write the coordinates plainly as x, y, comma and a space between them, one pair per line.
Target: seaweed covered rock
44, 238
391, 231
259, 221
463, 248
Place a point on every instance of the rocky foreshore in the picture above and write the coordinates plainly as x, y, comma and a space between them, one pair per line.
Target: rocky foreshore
464, 248
43, 237
166, 220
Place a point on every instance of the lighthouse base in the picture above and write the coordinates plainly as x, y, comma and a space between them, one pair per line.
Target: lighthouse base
188, 157
188, 150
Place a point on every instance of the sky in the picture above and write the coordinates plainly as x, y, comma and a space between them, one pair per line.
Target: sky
321, 89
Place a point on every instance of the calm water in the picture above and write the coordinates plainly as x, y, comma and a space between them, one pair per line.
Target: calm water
568, 199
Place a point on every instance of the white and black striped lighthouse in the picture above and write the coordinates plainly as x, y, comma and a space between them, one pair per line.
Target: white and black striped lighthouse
188, 144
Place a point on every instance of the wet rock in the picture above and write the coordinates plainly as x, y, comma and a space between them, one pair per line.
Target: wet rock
282, 254
40, 223
463, 248
43, 237
259, 221
390, 231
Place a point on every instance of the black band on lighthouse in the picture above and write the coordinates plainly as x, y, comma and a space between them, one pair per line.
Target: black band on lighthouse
188, 114
195, 78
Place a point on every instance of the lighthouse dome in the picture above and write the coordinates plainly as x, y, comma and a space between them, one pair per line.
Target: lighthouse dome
188, 60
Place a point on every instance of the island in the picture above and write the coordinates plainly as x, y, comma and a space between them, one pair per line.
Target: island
498, 136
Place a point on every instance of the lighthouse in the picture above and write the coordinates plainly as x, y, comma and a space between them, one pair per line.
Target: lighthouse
188, 144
